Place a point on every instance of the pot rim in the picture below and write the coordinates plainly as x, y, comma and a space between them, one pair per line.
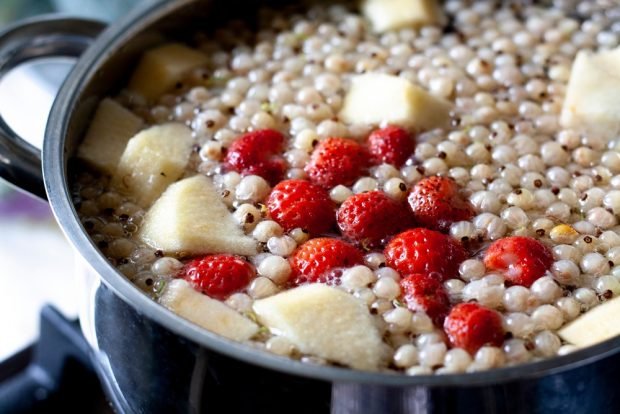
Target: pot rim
56, 183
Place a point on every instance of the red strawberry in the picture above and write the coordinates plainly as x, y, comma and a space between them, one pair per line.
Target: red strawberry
369, 218
299, 203
337, 161
392, 145
219, 275
258, 153
471, 326
319, 260
425, 292
425, 251
522, 260
436, 203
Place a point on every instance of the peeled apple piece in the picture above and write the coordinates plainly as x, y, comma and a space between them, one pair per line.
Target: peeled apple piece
162, 67
377, 98
596, 325
112, 126
324, 321
152, 160
211, 314
387, 15
191, 217
592, 102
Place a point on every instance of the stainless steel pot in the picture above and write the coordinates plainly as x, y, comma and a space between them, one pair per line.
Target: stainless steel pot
151, 360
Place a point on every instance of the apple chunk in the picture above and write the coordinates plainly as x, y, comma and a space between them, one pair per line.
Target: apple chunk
211, 314
162, 67
377, 98
592, 102
112, 126
191, 217
324, 321
387, 15
597, 325
152, 160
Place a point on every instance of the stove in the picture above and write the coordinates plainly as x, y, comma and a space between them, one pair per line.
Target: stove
56, 375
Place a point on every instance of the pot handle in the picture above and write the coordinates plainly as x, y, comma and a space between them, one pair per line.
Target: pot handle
40, 37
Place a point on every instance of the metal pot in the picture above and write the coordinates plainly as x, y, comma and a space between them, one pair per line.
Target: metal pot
149, 359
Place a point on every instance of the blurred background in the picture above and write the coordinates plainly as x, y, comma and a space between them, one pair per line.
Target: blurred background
36, 263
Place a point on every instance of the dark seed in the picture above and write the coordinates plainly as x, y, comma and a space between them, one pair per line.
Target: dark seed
159, 253
402, 187
149, 282
540, 232
587, 239
538, 183
210, 123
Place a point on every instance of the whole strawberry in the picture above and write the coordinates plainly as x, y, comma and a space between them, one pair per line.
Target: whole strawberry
218, 275
392, 145
425, 292
425, 251
321, 260
337, 161
471, 326
436, 203
521, 260
258, 153
370, 218
299, 203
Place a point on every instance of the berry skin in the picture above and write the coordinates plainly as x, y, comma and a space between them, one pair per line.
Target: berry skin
369, 218
425, 251
522, 260
425, 292
218, 275
392, 145
319, 260
258, 153
337, 161
299, 203
471, 326
436, 203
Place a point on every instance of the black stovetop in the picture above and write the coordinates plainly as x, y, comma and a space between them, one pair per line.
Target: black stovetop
54, 375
